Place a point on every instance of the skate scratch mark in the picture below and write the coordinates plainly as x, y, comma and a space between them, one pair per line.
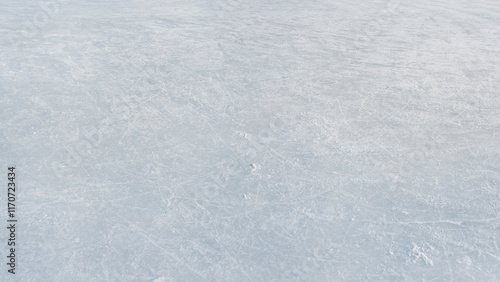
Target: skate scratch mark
151, 238
450, 272
343, 115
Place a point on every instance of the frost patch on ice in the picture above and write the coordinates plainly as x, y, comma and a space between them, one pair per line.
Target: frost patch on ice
418, 253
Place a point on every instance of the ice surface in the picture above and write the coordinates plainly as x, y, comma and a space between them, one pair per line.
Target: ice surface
252, 140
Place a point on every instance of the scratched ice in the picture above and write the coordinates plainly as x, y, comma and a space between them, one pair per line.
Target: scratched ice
252, 140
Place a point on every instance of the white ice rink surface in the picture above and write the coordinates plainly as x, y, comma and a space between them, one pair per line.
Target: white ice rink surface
251, 140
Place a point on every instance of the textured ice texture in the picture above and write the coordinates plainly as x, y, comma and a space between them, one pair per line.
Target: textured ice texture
252, 140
